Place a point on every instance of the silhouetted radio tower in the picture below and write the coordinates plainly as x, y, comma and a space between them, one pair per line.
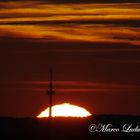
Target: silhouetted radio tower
50, 92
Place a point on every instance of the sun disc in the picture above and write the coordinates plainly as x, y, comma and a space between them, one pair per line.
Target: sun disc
65, 110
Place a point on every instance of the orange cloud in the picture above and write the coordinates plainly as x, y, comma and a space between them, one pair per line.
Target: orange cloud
66, 22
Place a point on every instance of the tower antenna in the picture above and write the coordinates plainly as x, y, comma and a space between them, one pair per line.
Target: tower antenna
50, 92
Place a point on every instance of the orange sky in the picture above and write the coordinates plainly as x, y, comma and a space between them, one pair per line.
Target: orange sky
94, 50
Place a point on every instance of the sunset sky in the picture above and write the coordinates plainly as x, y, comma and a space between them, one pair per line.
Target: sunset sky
94, 49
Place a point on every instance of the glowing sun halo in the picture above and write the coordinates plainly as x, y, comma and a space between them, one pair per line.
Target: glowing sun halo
65, 110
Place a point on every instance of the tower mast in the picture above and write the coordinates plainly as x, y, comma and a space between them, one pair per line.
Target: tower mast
50, 92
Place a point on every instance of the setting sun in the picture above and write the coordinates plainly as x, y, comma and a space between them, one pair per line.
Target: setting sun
65, 110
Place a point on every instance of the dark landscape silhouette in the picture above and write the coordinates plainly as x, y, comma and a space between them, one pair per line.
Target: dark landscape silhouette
66, 128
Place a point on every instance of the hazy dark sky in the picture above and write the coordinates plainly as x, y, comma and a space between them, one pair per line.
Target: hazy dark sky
93, 49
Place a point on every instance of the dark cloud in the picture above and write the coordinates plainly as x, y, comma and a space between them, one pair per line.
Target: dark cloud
120, 22
92, 1
79, 1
